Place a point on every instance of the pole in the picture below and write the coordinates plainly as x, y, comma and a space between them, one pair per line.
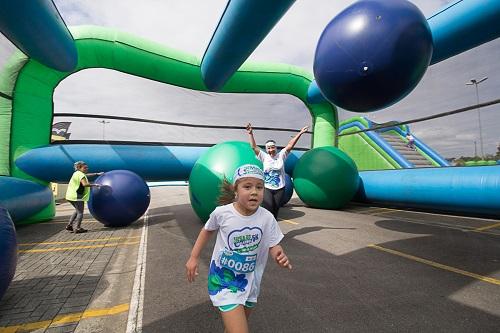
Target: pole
103, 122
479, 122
476, 84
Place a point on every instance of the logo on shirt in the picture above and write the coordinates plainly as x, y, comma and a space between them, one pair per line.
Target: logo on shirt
244, 240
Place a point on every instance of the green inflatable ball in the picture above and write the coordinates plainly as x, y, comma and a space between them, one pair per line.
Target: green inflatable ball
325, 177
209, 170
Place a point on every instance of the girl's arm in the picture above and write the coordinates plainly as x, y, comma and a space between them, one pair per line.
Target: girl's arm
251, 139
86, 183
278, 254
192, 263
296, 138
92, 174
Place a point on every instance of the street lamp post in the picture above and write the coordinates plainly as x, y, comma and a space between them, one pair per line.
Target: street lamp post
476, 83
103, 122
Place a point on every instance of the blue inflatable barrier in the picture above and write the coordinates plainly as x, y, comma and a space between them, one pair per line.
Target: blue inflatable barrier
37, 29
243, 25
8, 250
23, 198
454, 189
54, 163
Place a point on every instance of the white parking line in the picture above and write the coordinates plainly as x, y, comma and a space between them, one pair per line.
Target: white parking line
134, 323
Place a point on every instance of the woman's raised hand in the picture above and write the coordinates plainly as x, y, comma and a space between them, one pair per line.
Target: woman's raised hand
249, 128
304, 129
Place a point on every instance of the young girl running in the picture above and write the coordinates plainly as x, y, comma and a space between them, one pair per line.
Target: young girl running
246, 234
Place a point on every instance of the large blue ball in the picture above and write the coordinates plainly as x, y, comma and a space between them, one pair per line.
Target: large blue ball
8, 250
372, 54
122, 198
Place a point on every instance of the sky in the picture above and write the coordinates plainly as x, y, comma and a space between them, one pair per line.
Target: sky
188, 26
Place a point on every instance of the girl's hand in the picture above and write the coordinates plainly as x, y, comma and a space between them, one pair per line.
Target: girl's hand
249, 128
304, 129
282, 260
192, 268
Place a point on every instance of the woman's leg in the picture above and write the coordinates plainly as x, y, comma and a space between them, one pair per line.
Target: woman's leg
277, 197
267, 203
235, 321
77, 222
73, 216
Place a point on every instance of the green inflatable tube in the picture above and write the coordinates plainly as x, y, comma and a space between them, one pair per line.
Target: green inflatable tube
29, 112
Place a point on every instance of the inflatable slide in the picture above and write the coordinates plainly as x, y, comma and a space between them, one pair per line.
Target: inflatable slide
384, 148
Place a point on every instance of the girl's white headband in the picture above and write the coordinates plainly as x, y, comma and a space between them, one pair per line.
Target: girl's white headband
248, 170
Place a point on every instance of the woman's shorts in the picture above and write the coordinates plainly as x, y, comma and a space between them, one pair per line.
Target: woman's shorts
229, 307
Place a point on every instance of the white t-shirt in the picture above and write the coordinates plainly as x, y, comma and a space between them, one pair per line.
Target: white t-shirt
240, 253
274, 169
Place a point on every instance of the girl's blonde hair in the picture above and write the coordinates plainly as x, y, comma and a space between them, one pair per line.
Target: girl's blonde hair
227, 192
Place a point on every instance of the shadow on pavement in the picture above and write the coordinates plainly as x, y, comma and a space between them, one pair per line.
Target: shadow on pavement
364, 290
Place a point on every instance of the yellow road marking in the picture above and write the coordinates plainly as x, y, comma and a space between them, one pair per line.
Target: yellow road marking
487, 227
377, 210
55, 249
423, 213
79, 241
370, 210
66, 318
438, 225
437, 265
288, 221
365, 209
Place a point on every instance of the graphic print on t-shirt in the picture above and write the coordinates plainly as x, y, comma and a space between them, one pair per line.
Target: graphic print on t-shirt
236, 261
272, 178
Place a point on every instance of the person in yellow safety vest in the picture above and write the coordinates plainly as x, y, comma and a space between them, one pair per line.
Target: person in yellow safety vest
78, 193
